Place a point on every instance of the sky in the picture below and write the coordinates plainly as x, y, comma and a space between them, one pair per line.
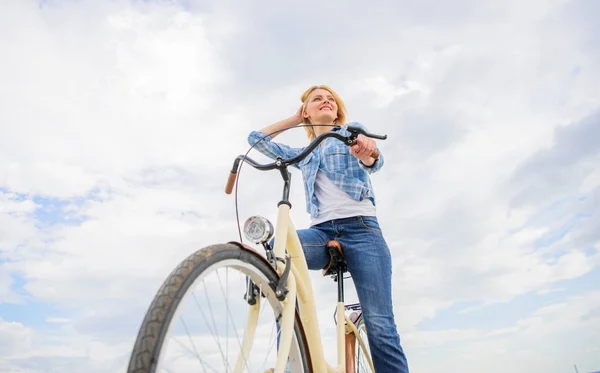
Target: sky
120, 121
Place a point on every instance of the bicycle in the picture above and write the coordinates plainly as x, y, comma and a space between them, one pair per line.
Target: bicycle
278, 280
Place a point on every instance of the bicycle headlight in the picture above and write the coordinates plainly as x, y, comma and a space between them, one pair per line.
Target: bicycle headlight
258, 229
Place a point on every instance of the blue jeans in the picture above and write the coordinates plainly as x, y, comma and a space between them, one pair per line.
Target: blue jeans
370, 264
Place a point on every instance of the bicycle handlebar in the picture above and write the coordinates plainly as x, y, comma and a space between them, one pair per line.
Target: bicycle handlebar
348, 140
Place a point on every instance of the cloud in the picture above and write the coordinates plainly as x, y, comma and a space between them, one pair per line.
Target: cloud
14, 336
121, 119
564, 166
104, 74
547, 329
63, 349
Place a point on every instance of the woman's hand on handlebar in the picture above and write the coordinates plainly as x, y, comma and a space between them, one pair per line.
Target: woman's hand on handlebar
363, 148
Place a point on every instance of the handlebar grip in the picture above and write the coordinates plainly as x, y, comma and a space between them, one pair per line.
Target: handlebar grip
375, 153
230, 182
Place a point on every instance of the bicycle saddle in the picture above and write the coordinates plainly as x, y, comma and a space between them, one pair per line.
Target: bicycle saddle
336, 259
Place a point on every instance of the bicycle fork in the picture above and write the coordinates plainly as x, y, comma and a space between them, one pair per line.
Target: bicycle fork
285, 325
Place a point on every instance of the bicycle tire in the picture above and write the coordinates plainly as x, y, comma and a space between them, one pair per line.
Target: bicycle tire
146, 351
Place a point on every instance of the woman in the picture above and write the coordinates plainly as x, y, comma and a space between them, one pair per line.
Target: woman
341, 204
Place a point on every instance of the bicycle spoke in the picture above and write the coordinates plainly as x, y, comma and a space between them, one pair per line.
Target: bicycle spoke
227, 307
213, 333
194, 346
273, 327
246, 358
271, 343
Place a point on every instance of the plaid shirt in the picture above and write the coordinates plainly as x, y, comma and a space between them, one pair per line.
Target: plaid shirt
333, 158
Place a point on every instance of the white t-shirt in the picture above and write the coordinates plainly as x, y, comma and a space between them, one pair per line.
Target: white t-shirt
334, 203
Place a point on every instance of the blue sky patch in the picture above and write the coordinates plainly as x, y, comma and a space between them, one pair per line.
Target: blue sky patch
52, 211
18, 284
31, 313
502, 315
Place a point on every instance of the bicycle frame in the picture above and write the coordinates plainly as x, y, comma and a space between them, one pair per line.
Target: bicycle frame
300, 289
298, 281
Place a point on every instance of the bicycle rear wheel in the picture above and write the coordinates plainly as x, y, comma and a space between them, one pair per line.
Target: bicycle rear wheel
211, 285
362, 362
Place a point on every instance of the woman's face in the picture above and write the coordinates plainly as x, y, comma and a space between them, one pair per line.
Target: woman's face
321, 107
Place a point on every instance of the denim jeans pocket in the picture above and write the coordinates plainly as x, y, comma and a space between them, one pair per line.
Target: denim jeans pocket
369, 222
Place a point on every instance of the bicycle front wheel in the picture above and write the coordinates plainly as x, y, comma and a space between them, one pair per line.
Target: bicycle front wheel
198, 320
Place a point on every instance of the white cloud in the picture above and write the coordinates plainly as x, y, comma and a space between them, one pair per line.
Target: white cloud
88, 123
14, 336
546, 333
57, 320
24, 349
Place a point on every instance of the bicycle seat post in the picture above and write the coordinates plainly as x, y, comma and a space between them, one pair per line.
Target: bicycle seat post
340, 281
337, 266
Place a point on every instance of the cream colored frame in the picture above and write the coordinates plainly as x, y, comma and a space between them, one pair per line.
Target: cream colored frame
300, 288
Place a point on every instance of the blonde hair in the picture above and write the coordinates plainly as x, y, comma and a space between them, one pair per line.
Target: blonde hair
341, 111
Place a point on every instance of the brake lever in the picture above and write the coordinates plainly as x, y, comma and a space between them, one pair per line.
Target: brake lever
355, 131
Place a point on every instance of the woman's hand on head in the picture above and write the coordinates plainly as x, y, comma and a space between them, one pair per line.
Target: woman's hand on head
275, 128
298, 115
363, 148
